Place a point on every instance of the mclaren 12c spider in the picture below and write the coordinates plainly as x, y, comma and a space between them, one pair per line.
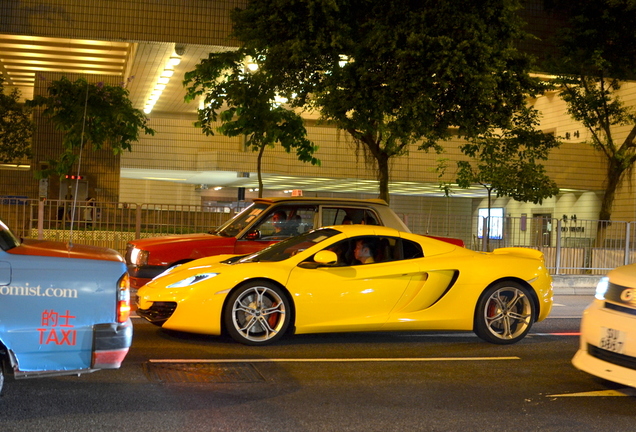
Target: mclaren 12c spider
353, 278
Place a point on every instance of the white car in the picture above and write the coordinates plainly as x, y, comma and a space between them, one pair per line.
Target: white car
608, 329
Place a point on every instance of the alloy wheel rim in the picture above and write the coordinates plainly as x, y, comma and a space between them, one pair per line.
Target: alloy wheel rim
508, 313
258, 314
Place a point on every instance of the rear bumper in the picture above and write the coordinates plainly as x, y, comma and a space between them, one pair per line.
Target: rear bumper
110, 344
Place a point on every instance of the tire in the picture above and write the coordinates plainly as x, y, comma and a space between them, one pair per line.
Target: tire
257, 313
505, 313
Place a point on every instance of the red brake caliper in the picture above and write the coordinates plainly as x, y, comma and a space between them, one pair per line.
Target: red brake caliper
273, 318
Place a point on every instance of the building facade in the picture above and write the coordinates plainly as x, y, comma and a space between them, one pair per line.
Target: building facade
119, 41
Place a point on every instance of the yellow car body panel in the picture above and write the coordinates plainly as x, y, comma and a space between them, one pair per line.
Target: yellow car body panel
437, 291
347, 298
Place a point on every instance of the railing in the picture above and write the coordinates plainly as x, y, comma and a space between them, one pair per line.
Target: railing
106, 224
570, 246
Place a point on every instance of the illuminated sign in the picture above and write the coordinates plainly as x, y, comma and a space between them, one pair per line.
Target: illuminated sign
495, 229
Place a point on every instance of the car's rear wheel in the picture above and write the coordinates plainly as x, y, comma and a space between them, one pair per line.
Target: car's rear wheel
505, 313
257, 313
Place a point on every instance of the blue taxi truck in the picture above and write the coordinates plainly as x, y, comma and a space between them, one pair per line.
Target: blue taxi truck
64, 309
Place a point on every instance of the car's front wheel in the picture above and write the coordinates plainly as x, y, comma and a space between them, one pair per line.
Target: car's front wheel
505, 313
257, 313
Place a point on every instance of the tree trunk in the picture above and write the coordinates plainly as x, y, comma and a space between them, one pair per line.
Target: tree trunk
487, 233
383, 176
614, 174
259, 160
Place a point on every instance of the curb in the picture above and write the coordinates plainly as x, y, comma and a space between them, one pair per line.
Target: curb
575, 284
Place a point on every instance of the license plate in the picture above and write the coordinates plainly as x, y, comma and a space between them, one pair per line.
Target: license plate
612, 340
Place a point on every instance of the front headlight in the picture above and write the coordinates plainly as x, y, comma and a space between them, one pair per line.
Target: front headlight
168, 271
139, 257
192, 280
601, 288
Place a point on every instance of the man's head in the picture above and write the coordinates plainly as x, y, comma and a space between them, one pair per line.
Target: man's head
365, 250
279, 218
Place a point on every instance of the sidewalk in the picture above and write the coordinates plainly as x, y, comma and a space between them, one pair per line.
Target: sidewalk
575, 284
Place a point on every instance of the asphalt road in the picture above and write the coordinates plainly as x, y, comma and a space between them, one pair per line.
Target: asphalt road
336, 382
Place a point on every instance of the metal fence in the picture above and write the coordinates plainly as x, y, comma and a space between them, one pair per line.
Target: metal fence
570, 246
106, 224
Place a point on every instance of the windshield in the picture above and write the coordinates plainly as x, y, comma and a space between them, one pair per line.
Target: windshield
290, 247
7, 239
238, 223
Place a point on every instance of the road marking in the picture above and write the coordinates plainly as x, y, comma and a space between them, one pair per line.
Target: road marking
473, 335
556, 334
328, 360
627, 391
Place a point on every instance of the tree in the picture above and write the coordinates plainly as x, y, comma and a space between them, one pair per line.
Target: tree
95, 114
507, 162
247, 104
597, 53
16, 127
393, 73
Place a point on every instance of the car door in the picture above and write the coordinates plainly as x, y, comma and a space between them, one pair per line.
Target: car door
350, 296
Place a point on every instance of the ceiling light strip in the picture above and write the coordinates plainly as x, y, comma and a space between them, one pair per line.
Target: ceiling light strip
162, 82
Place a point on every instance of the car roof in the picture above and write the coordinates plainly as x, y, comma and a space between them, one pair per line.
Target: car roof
361, 229
318, 200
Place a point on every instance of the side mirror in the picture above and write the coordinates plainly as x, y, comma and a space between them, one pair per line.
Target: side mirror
326, 257
253, 235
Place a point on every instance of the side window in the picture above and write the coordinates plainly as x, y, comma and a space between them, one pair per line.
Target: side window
333, 216
344, 251
287, 221
370, 218
272, 224
411, 250
367, 250
348, 215
304, 217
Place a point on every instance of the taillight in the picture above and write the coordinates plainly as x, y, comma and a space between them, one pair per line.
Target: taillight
123, 299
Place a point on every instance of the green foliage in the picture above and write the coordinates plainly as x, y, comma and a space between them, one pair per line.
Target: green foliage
597, 53
597, 38
507, 161
96, 114
16, 127
393, 73
244, 102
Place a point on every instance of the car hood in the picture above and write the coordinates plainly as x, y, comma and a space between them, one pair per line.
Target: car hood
64, 250
172, 239
624, 275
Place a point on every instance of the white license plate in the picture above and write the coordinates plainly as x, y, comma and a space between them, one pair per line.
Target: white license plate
612, 340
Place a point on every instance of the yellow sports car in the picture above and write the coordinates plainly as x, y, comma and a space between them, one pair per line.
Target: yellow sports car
353, 278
